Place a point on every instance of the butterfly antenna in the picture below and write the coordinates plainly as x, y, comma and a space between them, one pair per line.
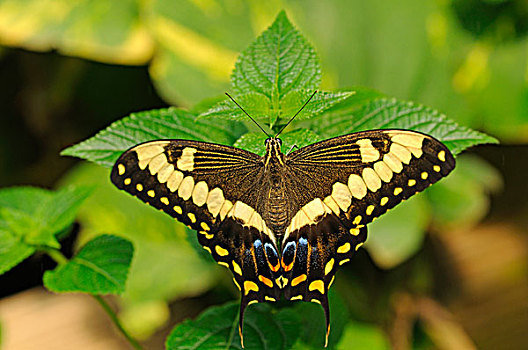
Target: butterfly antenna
253, 120
299, 111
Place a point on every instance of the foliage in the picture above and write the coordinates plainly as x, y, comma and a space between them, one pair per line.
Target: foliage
100, 267
465, 57
272, 79
218, 328
31, 218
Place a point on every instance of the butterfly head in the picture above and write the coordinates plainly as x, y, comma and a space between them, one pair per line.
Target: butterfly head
274, 155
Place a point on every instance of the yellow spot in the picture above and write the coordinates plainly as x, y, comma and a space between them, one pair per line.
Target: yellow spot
436, 168
359, 246
441, 156
357, 220
266, 281
411, 182
151, 193
331, 281
207, 248
236, 268
384, 200
317, 285
127, 181
139, 187
178, 209
121, 169
269, 298
207, 235
192, 217
236, 283
222, 263
221, 251
298, 279
250, 286
281, 281
344, 261
329, 266
252, 302
370, 209
297, 297
315, 301
354, 231
398, 190
345, 248
205, 226
424, 175
164, 200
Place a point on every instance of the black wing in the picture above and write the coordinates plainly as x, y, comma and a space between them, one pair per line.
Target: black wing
214, 190
341, 184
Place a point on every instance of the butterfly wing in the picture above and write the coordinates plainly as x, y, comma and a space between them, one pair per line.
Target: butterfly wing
341, 184
214, 190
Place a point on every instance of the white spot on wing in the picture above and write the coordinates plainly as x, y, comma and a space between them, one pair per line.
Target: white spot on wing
186, 161
341, 194
157, 163
199, 194
186, 188
215, 200
371, 179
357, 186
383, 171
368, 152
174, 180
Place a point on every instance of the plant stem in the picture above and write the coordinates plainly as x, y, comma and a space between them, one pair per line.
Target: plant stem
56, 255
60, 259
117, 323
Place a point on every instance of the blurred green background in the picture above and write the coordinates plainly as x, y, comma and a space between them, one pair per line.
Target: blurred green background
70, 68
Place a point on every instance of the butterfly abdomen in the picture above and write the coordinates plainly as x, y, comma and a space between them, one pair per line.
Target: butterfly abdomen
277, 214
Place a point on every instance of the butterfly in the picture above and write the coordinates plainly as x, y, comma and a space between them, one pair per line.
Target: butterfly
283, 223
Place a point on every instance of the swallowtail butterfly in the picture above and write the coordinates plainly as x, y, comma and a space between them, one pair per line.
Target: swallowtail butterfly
283, 223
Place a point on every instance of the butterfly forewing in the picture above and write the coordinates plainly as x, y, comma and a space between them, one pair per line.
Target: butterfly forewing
341, 184
210, 188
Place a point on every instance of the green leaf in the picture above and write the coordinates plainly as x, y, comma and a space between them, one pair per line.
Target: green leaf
280, 60
398, 234
323, 100
462, 199
256, 105
217, 328
100, 267
385, 113
260, 108
255, 142
12, 251
313, 324
105, 147
35, 215
363, 336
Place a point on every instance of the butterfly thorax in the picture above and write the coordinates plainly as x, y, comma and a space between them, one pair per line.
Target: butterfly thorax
276, 215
